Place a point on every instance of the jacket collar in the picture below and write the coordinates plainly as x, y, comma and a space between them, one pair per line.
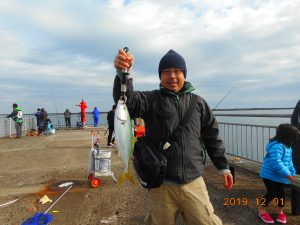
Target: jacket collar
187, 88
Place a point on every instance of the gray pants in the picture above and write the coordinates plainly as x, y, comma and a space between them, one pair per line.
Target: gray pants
18, 127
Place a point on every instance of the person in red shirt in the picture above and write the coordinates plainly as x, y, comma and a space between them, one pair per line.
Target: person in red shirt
140, 129
83, 107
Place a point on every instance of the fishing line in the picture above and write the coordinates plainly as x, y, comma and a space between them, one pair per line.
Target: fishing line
59, 198
223, 98
58, 122
8, 203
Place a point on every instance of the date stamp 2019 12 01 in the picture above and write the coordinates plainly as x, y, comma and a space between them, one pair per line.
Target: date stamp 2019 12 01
243, 201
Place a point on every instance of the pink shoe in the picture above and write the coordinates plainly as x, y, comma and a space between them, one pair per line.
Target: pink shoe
281, 218
266, 217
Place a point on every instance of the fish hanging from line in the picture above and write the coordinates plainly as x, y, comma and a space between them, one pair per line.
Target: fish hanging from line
124, 138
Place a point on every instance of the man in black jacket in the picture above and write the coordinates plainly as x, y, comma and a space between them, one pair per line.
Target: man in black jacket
183, 190
295, 120
110, 121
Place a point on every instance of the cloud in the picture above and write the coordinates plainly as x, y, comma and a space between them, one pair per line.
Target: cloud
68, 47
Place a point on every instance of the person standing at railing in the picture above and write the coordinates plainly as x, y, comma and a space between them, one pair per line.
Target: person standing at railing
17, 116
278, 170
43, 125
38, 118
44, 116
111, 121
67, 115
96, 115
295, 120
83, 106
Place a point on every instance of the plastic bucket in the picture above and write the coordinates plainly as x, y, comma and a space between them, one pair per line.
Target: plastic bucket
105, 154
104, 165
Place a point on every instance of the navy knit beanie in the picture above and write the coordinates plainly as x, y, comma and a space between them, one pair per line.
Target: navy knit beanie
172, 60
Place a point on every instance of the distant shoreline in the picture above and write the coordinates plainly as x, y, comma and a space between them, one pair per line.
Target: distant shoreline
226, 109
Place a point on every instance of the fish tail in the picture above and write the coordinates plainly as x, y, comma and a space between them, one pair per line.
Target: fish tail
126, 176
134, 139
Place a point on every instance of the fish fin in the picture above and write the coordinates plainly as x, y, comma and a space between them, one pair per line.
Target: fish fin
134, 140
131, 178
127, 176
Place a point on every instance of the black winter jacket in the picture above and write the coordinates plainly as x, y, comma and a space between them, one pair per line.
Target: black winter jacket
162, 111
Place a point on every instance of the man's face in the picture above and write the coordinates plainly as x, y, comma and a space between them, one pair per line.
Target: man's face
172, 79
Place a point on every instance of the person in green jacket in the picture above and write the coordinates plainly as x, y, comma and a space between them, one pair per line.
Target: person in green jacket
17, 116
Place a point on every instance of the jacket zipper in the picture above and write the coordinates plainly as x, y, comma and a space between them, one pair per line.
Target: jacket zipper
182, 152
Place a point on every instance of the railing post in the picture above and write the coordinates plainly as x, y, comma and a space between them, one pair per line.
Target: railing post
25, 125
9, 127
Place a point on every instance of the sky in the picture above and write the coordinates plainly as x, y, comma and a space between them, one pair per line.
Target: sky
53, 53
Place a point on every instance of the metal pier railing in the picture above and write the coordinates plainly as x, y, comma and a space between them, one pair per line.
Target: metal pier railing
7, 126
246, 140
246, 133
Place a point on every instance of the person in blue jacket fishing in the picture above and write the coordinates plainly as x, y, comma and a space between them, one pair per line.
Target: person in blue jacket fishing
96, 114
183, 190
278, 170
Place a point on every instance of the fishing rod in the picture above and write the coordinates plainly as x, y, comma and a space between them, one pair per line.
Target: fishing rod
71, 185
106, 131
8, 203
223, 98
44, 218
55, 108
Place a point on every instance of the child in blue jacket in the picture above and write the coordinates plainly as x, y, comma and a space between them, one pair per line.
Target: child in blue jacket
278, 170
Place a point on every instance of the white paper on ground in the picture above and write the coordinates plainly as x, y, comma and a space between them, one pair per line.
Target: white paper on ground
65, 184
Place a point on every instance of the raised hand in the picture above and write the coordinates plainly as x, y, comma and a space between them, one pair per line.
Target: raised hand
123, 60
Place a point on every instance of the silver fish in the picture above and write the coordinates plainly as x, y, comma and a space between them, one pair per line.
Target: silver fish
124, 138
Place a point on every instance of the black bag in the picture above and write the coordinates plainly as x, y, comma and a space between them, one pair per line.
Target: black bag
150, 162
